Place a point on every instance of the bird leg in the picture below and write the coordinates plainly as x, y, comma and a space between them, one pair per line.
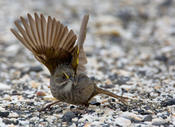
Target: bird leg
48, 106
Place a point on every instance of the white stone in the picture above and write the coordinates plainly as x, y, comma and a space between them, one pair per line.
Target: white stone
4, 87
123, 122
13, 115
12, 50
132, 116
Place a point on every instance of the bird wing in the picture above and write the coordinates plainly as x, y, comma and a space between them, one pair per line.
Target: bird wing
50, 41
82, 35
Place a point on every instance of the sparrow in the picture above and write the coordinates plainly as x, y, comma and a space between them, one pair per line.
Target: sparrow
62, 52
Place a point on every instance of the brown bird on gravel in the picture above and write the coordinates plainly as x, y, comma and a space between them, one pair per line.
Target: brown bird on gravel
59, 50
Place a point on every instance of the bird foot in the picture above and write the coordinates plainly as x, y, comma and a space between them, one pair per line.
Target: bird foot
48, 106
124, 100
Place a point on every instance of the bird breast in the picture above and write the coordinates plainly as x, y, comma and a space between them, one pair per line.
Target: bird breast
67, 87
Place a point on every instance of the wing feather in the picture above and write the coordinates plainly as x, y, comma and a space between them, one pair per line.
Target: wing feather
71, 45
43, 30
31, 40
50, 41
24, 34
54, 26
63, 38
22, 40
81, 38
49, 30
68, 39
38, 28
33, 30
57, 33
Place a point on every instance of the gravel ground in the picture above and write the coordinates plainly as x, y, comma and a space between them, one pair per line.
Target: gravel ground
131, 51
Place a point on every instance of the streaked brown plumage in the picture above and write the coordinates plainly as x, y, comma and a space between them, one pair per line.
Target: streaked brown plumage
55, 46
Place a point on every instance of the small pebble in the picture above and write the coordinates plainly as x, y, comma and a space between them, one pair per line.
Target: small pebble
95, 103
40, 93
108, 82
120, 121
12, 50
10, 121
68, 116
122, 80
4, 114
34, 85
168, 103
159, 122
148, 118
35, 69
133, 117
13, 115
4, 87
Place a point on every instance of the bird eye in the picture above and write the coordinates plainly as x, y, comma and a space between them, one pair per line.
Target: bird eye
65, 75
